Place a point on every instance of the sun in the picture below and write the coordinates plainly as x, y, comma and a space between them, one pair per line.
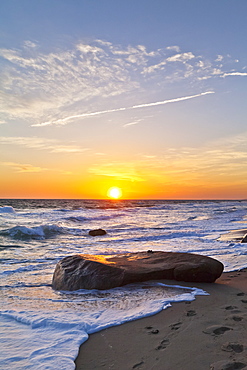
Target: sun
114, 192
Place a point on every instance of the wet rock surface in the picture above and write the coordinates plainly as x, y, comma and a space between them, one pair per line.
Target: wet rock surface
97, 232
84, 271
244, 240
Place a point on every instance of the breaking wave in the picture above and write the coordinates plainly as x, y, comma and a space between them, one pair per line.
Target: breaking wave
7, 209
38, 232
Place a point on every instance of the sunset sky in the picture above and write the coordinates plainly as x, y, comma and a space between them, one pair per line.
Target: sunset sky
148, 96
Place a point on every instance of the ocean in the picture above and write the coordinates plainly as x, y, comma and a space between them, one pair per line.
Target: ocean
41, 328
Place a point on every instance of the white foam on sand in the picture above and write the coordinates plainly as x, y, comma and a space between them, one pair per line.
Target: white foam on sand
51, 340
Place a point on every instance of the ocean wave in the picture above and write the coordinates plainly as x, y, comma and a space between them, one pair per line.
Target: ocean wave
165, 236
38, 232
98, 218
7, 209
198, 218
9, 246
24, 285
77, 219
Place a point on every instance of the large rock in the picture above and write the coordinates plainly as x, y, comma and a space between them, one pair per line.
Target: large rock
84, 271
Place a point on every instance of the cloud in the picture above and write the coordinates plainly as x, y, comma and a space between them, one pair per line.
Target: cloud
219, 58
87, 49
27, 167
127, 171
139, 53
174, 48
51, 145
43, 87
145, 105
219, 160
29, 44
183, 57
21, 167
99, 153
155, 67
134, 122
39, 84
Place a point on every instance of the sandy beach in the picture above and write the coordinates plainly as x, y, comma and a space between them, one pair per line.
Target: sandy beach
207, 333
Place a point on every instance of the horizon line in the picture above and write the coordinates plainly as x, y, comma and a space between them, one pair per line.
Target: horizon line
132, 199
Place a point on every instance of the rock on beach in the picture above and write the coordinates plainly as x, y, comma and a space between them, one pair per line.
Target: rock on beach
97, 232
84, 271
244, 240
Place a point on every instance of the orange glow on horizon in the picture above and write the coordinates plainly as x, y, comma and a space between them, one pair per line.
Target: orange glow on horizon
74, 186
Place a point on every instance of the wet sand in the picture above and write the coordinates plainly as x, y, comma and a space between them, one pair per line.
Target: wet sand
207, 333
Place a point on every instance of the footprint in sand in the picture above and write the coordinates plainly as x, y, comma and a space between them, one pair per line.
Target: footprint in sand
163, 344
191, 313
228, 308
175, 326
138, 365
244, 300
236, 318
241, 294
232, 347
226, 365
153, 331
216, 330
234, 309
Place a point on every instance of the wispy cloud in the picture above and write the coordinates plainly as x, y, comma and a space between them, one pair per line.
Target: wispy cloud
60, 85
217, 162
183, 57
36, 84
51, 145
134, 122
117, 170
145, 105
173, 48
27, 167
21, 167
179, 58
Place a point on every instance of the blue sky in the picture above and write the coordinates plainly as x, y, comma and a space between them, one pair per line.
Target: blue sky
146, 95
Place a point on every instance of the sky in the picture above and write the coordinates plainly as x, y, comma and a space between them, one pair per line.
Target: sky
148, 96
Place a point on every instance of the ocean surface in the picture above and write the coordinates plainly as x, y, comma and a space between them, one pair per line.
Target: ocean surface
41, 328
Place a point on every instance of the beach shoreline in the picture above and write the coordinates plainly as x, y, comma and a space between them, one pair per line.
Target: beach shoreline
207, 333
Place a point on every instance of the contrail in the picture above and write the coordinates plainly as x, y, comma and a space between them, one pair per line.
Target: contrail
63, 121
234, 74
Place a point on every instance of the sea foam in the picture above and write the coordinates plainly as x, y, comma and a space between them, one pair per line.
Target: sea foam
7, 209
38, 232
50, 340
